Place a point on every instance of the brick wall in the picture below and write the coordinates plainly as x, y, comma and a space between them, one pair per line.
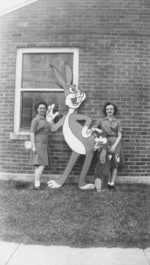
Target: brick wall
113, 38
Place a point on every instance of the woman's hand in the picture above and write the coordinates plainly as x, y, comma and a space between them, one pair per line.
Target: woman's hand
113, 148
34, 149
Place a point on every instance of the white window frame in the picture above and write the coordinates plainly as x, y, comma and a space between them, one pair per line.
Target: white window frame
18, 88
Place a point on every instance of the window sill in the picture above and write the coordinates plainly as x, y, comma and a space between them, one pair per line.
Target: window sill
25, 136
19, 136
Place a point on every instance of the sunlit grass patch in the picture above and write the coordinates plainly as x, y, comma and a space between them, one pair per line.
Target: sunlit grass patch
69, 216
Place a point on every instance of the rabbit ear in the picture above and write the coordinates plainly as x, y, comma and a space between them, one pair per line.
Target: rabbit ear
58, 77
69, 74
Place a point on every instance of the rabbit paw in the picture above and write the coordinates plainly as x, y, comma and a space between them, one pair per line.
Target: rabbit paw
53, 184
88, 187
86, 132
50, 115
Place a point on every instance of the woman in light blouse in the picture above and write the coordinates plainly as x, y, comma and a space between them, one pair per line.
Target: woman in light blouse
112, 128
40, 130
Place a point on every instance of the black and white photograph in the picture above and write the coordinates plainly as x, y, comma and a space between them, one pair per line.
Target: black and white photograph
75, 132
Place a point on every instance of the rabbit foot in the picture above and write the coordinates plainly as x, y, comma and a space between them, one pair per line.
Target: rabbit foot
88, 187
53, 184
98, 184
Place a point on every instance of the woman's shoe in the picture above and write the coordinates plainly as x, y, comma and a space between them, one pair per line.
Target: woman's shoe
109, 186
112, 187
37, 188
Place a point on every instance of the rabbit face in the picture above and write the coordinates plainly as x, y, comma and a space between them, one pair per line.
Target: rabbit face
75, 97
100, 142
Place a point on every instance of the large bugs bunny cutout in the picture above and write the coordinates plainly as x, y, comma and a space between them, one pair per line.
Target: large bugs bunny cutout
78, 137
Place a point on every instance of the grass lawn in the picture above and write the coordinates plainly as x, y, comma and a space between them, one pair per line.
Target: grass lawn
71, 217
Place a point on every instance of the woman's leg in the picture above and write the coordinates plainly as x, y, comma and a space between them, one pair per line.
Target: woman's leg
115, 164
38, 173
98, 177
110, 169
105, 175
109, 179
114, 170
113, 177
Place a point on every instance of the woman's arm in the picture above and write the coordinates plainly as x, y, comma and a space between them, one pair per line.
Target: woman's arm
34, 125
32, 137
55, 126
113, 148
95, 127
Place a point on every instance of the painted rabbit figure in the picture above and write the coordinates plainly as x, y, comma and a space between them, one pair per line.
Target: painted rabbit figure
79, 138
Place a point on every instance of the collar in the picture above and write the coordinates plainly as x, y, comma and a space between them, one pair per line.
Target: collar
113, 119
40, 117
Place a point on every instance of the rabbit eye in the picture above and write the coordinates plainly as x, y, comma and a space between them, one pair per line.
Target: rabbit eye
73, 89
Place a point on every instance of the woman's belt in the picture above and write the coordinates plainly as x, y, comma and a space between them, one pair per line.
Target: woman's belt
111, 136
41, 139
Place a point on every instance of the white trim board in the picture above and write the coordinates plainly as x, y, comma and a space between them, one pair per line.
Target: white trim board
30, 177
7, 6
18, 88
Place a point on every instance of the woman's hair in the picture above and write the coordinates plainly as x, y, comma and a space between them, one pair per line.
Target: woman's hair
108, 104
40, 103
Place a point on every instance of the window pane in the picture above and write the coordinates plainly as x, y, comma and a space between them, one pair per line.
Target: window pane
27, 100
38, 96
40, 62
63, 107
39, 79
26, 119
27, 79
67, 57
53, 97
50, 80
36, 71
30, 99
58, 60
28, 61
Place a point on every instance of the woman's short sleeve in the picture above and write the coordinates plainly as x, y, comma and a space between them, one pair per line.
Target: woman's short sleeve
34, 125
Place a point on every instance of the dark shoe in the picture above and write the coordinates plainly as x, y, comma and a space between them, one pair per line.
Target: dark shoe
109, 186
37, 188
112, 187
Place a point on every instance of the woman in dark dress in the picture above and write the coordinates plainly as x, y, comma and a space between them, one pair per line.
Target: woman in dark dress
40, 129
112, 128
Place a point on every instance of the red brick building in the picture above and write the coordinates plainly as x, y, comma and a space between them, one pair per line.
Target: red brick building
108, 45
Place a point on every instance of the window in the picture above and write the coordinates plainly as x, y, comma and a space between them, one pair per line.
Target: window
34, 82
